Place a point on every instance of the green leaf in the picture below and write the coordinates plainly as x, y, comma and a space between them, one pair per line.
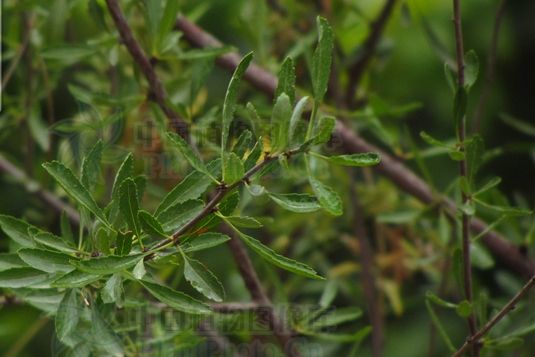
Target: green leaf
464, 309
125, 171
107, 265
70, 54
475, 149
186, 151
168, 20
337, 317
176, 216
280, 123
17, 230
204, 241
324, 130
296, 202
520, 125
450, 77
244, 222
75, 189
203, 280
286, 80
113, 289
460, 103
128, 205
329, 294
243, 143
438, 301
150, 225
191, 187
104, 338
296, 117
234, 170
440, 328
139, 270
123, 243
481, 257
471, 69
493, 182
327, 197
254, 155
103, 240
46, 260
21, 277
52, 241
206, 54
231, 97
276, 259
91, 166
39, 130
10, 260
255, 190
321, 62
433, 142
75, 279
69, 312
176, 299
66, 229
355, 160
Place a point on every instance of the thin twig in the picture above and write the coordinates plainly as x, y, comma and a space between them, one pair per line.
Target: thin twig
351, 142
465, 228
28, 25
490, 70
368, 51
158, 92
475, 338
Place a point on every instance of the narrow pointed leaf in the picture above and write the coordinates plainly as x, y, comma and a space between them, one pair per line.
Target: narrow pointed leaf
52, 241
69, 311
286, 82
280, 123
337, 317
91, 166
150, 225
321, 62
74, 188
125, 170
234, 169
107, 265
11, 260
21, 277
204, 241
75, 279
46, 260
185, 149
17, 230
176, 299
176, 216
243, 143
278, 260
355, 160
296, 202
471, 69
123, 243
327, 197
324, 130
244, 222
296, 117
203, 280
129, 206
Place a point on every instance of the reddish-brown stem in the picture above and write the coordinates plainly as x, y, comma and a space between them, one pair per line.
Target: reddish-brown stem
157, 89
351, 142
476, 337
357, 70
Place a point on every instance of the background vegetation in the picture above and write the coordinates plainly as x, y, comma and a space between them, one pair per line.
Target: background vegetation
68, 81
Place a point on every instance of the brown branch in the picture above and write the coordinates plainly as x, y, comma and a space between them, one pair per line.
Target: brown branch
27, 31
474, 339
357, 70
351, 142
34, 187
281, 332
490, 70
157, 89
465, 218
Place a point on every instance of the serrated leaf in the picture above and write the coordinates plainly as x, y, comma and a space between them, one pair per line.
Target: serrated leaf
234, 170
11, 260
69, 311
321, 61
125, 170
176, 216
75, 189
113, 289
327, 197
286, 79
471, 69
183, 147
123, 243
150, 225
107, 265
278, 260
324, 130
46, 260
204, 241
21, 277
176, 299
17, 230
129, 206
280, 123
296, 202
91, 166
231, 97
75, 279
355, 160
244, 222
203, 280
191, 187
52, 241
